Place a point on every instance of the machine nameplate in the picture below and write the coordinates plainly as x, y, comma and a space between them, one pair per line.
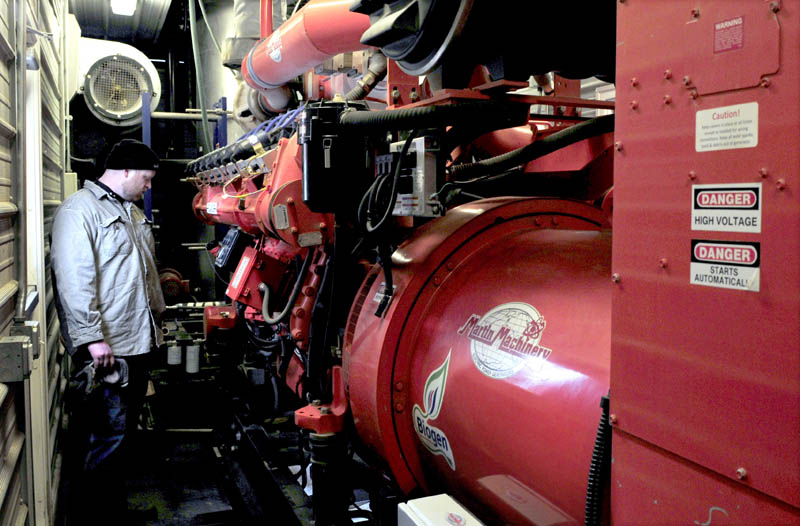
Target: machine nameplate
240, 270
726, 264
280, 217
734, 207
309, 239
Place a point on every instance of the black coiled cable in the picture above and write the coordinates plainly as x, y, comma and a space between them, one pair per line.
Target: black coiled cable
599, 469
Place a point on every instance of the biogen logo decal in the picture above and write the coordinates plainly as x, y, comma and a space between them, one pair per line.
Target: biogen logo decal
433, 438
727, 199
725, 254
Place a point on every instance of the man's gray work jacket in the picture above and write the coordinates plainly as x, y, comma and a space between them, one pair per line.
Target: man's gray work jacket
106, 278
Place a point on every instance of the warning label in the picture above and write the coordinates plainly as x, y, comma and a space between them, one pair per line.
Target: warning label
727, 207
727, 128
729, 34
726, 264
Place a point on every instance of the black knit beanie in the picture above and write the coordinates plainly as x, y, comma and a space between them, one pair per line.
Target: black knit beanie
129, 154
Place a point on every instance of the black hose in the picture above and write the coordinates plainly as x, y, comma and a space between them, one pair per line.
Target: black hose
275, 393
393, 195
599, 470
505, 115
376, 71
534, 150
264, 288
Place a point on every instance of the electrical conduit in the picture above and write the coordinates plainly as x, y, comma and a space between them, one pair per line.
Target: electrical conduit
199, 77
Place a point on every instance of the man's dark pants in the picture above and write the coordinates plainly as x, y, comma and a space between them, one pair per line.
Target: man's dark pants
102, 426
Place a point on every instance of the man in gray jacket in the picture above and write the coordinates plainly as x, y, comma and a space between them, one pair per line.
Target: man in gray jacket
108, 299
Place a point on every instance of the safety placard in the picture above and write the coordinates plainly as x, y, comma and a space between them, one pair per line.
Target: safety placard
729, 34
734, 207
726, 264
726, 128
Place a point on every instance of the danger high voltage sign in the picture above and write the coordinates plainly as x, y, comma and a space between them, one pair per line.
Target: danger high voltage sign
727, 207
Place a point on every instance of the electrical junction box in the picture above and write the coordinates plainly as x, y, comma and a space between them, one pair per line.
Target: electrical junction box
437, 510
418, 179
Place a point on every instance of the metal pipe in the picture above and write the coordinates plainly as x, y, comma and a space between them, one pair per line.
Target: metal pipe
321, 29
215, 111
171, 63
19, 164
266, 18
199, 77
20, 170
208, 26
167, 115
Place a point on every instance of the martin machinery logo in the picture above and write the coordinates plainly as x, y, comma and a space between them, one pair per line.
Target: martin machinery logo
431, 437
506, 338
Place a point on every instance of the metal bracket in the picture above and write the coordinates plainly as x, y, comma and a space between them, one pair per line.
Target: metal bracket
31, 301
31, 330
15, 358
40, 33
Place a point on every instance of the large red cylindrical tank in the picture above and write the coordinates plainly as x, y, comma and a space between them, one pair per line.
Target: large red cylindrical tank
484, 378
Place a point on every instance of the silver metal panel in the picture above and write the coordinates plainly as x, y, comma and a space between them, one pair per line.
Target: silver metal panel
97, 20
12, 442
7, 304
50, 68
8, 284
13, 515
5, 99
12, 439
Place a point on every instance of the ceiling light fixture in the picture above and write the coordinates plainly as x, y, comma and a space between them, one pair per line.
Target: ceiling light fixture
123, 7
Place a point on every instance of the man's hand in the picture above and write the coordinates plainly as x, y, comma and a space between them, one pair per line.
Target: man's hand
102, 355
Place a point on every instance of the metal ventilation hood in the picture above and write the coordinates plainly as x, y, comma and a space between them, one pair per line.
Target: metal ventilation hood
97, 20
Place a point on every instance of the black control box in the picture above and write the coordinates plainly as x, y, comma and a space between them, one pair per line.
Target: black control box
336, 164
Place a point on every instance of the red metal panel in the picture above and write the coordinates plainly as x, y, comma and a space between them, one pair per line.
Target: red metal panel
653, 486
709, 374
735, 44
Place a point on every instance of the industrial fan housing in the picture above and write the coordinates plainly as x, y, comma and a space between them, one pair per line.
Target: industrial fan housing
115, 76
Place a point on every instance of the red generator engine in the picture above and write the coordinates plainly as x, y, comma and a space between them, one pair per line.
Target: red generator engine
421, 257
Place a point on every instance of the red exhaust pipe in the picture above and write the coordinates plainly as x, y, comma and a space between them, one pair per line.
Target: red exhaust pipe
318, 31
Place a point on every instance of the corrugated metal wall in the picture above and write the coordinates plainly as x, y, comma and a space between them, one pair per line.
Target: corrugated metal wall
15, 461
51, 20
8, 283
32, 163
46, 161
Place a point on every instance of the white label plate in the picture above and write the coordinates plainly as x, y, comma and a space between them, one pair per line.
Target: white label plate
734, 207
726, 264
727, 128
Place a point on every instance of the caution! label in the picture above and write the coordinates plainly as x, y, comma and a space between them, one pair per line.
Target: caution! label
727, 128
727, 207
726, 264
